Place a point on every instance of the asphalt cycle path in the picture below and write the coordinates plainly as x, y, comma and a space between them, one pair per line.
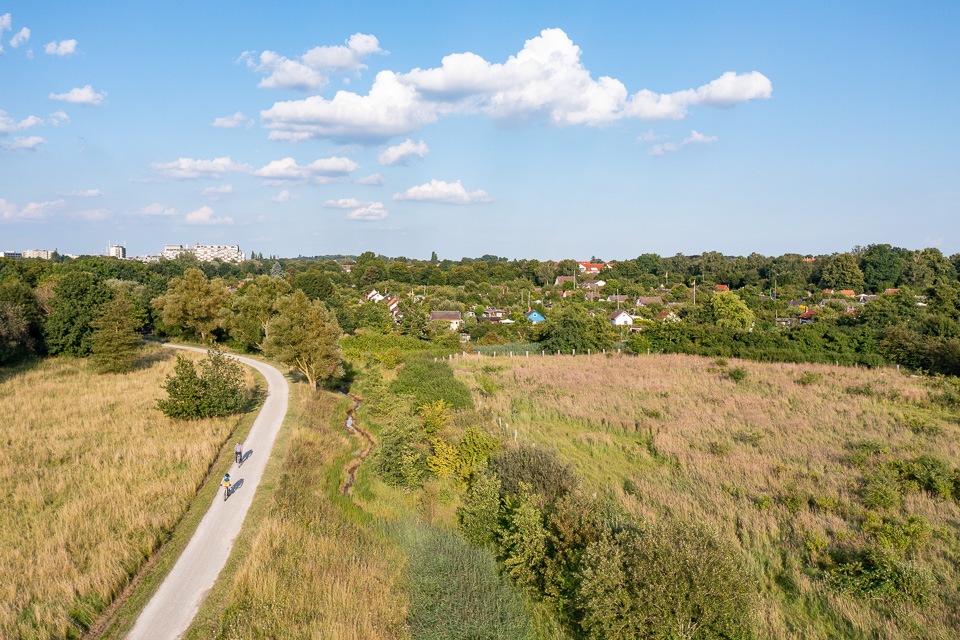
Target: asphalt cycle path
174, 605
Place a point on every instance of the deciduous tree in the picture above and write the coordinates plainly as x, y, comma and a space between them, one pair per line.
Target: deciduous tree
305, 336
115, 341
194, 303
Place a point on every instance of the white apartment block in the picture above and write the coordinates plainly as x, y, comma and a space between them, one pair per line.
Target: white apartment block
205, 252
43, 254
117, 251
10, 254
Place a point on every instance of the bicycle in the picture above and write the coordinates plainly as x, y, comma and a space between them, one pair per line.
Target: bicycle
227, 490
238, 455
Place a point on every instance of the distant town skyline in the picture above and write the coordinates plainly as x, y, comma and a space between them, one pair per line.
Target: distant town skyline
528, 132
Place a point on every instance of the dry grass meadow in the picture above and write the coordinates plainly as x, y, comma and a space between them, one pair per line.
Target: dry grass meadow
95, 478
764, 461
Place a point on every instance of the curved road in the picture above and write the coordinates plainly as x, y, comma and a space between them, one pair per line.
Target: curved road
174, 605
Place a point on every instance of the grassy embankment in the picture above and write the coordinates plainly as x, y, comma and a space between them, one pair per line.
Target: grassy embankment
788, 462
308, 564
95, 479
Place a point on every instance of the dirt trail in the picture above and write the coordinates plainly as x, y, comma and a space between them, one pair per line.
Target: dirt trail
351, 467
174, 605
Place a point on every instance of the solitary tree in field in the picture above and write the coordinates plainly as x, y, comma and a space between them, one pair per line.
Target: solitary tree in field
306, 336
116, 342
194, 303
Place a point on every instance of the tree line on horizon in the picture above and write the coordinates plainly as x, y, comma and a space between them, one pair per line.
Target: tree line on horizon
52, 308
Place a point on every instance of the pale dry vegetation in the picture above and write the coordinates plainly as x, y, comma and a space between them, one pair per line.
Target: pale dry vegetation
94, 478
765, 460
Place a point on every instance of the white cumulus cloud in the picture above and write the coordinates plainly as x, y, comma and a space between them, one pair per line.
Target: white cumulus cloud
80, 95
9, 125
189, 168
545, 81
443, 192
62, 48
6, 23
398, 154
21, 36
232, 122
312, 70
30, 211
204, 216
320, 171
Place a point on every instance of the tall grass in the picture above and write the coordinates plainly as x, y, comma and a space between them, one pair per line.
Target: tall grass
95, 478
766, 461
315, 567
455, 591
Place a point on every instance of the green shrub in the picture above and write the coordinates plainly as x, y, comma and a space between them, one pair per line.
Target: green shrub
931, 474
674, 580
541, 470
478, 517
763, 503
880, 489
737, 374
428, 381
718, 447
218, 390
809, 378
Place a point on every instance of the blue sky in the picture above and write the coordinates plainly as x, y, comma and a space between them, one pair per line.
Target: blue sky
572, 130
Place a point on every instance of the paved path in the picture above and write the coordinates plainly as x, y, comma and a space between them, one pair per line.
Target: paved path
172, 608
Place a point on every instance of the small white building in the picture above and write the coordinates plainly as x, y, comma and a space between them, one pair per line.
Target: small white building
117, 251
621, 318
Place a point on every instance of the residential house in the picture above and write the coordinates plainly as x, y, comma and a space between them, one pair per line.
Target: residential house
592, 295
786, 322
535, 317
644, 301
668, 316
621, 318
451, 317
592, 284
592, 268
721, 288
618, 298
807, 316
393, 305
850, 293
493, 315
375, 296
561, 280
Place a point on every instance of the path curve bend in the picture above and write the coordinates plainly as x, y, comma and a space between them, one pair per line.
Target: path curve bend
172, 608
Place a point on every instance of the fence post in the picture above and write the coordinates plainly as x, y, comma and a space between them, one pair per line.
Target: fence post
573, 352
528, 355
588, 351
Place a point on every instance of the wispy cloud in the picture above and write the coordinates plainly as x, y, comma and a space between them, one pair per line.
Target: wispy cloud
156, 210
374, 179
695, 137
399, 154
191, 169
284, 196
312, 70
28, 143
20, 37
444, 193
359, 209
84, 193
232, 122
30, 211
81, 95
217, 192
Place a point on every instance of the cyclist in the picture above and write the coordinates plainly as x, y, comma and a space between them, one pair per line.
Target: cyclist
226, 485
238, 453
